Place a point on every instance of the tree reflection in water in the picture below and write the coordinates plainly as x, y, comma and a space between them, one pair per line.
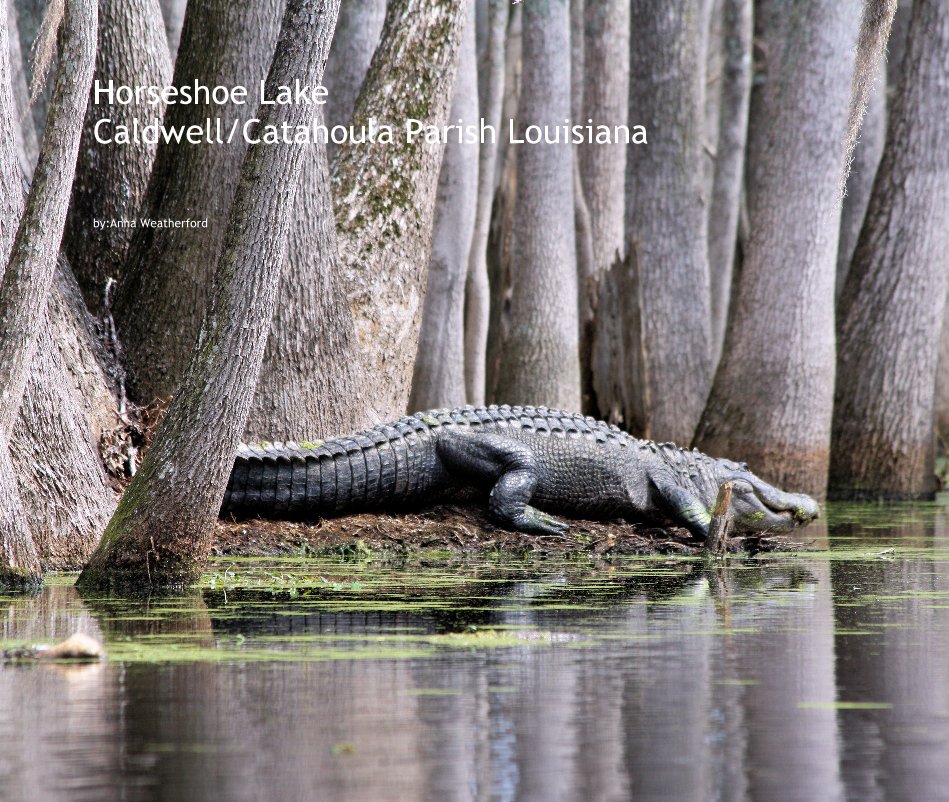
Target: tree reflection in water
744, 681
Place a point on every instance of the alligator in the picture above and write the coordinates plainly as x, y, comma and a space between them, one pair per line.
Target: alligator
531, 462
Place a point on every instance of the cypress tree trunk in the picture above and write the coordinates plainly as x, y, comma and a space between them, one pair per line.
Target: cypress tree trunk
605, 99
30, 14
161, 532
28, 146
439, 376
603, 167
942, 383
772, 396
501, 226
866, 159
173, 13
355, 40
892, 305
540, 361
65, 493
729, 160
477, 288
666, 221
66, 498
164, 289
29, 270
111, 179
309, 381
385, 193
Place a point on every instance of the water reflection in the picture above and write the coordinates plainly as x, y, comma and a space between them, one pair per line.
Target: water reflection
779, 678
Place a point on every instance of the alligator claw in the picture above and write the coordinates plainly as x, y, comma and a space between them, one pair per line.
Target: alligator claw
533, 520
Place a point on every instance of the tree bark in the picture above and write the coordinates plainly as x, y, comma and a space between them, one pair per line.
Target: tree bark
111, 179
603, 168
866, 159
173, 14
501, 228
875, 24
309, 383
892, 305
63, 489
942, 383
666, 220
66, 408
439, 376
66, 496
29, 270
606, 96
28, 146
355, 40
30, 14
385, 192
540, 363
729, 160
161, 300
772, 396
477, 288
11, 177
161, 532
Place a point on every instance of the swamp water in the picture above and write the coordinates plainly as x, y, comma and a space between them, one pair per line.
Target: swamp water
813, 676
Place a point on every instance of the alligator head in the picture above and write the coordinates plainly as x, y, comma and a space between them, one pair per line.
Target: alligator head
757, 506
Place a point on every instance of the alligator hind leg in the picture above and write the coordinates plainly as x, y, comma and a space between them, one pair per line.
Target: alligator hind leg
510, 466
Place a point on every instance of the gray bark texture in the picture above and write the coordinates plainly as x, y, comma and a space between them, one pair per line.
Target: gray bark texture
439, 377
91, 369
666, 221
11, 177
477, 288
64, 492
29, 270
308, 386
713, 55
28, 145
111, 179
66, 496
735, 96
890, 314
863, 168
603, 167
385, 193
942, 383
875, 27
771, 400
173, 14
161, 532
501, 228
540, 362
355, 40
577, 58
896, 46
30, 14
164, 290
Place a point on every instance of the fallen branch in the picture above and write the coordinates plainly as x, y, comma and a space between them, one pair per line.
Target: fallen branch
717, 538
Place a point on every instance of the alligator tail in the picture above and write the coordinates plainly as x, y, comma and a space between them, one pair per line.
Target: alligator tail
314, 480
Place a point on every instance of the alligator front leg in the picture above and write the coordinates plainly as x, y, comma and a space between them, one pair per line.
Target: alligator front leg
685, 509
510, 466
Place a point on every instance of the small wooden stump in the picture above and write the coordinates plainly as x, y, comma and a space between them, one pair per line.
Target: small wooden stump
717, 537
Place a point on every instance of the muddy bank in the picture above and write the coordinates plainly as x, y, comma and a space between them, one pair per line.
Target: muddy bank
465, 530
